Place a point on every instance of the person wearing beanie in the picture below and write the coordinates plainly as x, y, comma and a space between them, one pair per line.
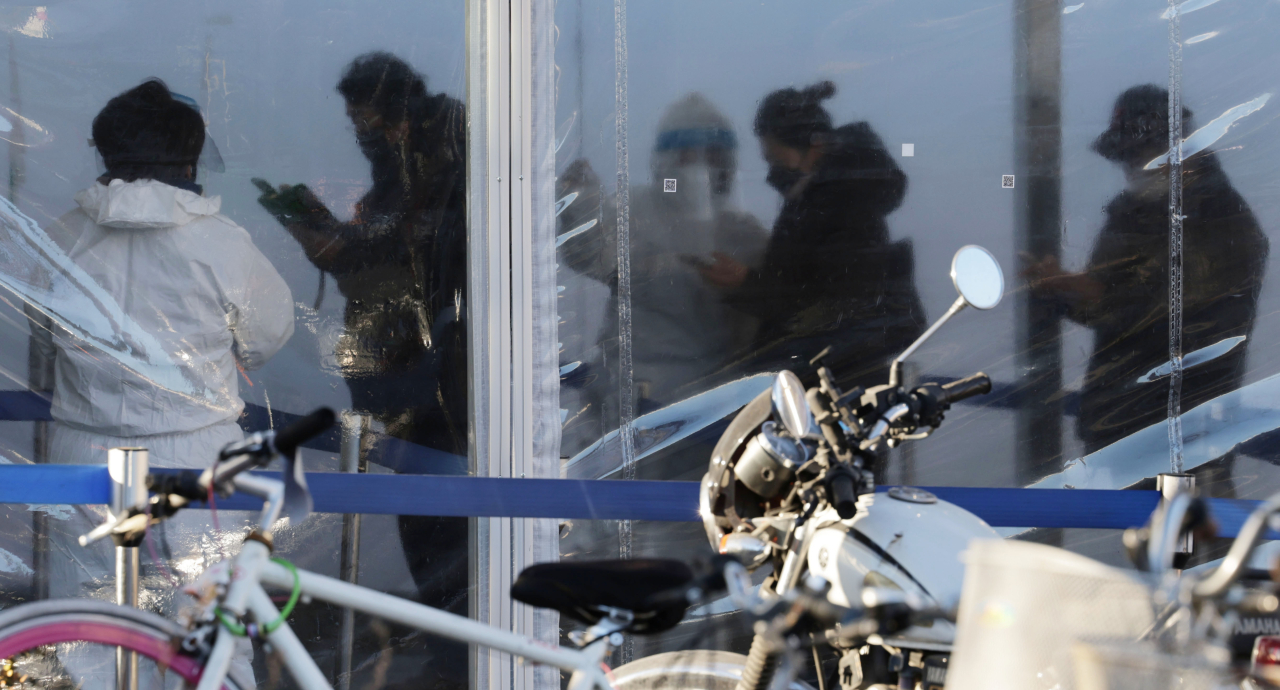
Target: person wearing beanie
1123, 292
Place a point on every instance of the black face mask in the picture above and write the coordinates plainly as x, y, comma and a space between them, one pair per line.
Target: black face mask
374, 146
783, 178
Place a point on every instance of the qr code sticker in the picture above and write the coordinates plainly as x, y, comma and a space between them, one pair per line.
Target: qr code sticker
1006, 181
668, 185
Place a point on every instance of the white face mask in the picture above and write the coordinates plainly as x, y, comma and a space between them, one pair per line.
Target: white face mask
694, 192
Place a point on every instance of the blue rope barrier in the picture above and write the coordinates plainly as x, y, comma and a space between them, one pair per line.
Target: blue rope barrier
55, 484
406, 494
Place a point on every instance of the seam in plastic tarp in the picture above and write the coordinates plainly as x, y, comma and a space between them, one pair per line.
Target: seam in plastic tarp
1174, 412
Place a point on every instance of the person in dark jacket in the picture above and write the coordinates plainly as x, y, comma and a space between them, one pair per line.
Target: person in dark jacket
401, 264
831, 275
401, 261
1123, 293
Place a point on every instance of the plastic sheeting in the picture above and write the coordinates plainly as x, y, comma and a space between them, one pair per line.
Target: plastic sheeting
739, 187
343, 135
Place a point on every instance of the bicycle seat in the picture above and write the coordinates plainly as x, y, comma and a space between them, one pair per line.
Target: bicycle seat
578, 588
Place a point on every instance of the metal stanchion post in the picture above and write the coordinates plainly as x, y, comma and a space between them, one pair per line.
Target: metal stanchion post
1170, 485
128, 469
350, 460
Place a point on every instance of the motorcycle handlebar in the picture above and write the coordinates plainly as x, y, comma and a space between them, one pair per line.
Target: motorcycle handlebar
978, 384
844, 494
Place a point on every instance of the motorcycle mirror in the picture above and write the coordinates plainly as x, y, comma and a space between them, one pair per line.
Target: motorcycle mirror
980, 282
977, 277
789, 404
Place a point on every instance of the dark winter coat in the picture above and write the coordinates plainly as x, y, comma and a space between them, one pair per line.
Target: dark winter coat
831, 274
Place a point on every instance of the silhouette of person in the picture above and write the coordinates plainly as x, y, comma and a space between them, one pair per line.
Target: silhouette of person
831, 275
1123, 292
191, 281
681, 330
401, 264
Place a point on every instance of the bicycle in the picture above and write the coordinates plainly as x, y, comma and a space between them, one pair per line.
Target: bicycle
640, 596
1034, 615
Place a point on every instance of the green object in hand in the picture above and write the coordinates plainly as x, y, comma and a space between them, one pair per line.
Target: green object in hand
289, 203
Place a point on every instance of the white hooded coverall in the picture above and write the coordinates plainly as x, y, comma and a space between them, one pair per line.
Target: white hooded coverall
194, 281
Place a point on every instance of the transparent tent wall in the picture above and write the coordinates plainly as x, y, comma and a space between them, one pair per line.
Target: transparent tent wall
726, 209
380, 328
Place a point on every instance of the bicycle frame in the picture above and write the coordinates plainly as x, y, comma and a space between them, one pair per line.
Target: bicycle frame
251, 568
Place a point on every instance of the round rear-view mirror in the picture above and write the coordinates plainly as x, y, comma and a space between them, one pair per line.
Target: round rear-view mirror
789, 404
977, 277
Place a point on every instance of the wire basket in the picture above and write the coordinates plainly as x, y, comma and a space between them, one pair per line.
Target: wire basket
1127, 665
1024, 607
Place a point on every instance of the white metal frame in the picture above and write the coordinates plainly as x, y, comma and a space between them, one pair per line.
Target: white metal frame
501, 255
251, 568
246, 593
500, 303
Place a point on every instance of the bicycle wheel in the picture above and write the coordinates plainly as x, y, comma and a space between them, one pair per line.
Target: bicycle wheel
72, 643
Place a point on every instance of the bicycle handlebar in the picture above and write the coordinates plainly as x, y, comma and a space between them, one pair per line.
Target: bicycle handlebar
173, 491
289, 438
185, 484
1237, 559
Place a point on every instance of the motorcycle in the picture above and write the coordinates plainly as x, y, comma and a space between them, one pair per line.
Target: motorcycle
790, 485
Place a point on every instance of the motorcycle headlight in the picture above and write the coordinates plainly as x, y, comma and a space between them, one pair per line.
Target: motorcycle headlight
768, 463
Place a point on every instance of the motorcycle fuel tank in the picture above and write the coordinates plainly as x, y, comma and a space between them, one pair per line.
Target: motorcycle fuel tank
913, 543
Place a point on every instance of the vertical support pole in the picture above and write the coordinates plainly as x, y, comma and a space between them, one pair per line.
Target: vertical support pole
128, 470
1170, 485
127, 595
351, 460
1038, 131
488, 307
40, 359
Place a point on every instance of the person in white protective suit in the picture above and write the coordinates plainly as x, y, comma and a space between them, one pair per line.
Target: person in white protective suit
196, 300
683, 335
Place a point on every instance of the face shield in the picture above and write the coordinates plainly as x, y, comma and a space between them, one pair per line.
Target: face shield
210, 158
702, 161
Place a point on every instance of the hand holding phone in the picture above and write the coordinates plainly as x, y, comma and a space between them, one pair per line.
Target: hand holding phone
289, 203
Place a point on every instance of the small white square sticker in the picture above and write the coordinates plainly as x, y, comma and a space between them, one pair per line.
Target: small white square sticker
908, 150
1006, 181
668, 185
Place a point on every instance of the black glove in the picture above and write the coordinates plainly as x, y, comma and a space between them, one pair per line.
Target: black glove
289, 203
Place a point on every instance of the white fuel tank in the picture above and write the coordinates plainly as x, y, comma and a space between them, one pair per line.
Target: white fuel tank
910, 539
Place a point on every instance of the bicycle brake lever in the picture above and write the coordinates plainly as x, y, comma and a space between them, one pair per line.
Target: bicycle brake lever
158, 508
108, 527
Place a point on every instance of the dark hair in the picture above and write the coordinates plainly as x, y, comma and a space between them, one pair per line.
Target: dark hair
796, 117
385, 83
147, 134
